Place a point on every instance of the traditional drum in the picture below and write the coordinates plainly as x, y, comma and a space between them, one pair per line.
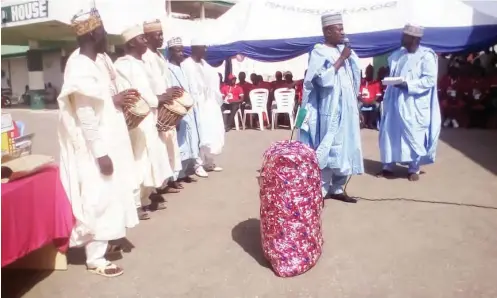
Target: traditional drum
169, 115
185, 100
136, 112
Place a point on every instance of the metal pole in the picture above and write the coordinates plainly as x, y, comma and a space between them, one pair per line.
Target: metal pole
168, 8
202, 10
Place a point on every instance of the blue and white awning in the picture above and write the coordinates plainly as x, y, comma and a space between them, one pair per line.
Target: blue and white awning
276, 30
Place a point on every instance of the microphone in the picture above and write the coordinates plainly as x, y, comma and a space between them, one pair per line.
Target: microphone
346, 42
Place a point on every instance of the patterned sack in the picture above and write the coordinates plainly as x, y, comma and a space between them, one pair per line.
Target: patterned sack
291, 204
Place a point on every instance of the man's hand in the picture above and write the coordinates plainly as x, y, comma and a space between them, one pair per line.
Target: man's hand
346, 53
170, 95
343, 56
106, 166
126, 97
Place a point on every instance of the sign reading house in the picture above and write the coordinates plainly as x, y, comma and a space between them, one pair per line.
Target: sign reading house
25, 11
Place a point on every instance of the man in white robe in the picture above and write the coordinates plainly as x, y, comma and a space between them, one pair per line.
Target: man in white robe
204, 87
331, 87
188, 137
158, 77
149, 151
411, 121
95, 150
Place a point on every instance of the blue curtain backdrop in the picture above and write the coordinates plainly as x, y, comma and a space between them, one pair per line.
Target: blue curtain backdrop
441, 40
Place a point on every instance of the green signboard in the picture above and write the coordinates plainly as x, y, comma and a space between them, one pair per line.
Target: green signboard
26, 11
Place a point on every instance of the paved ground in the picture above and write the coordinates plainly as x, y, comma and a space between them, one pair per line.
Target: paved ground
206, 244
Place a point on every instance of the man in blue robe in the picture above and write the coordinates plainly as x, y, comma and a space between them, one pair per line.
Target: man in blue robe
331, 127
410, 122
188, 138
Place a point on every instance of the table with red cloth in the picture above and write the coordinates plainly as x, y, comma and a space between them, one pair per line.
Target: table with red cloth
35, 213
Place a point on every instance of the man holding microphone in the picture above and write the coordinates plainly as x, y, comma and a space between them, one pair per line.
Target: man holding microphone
332, 125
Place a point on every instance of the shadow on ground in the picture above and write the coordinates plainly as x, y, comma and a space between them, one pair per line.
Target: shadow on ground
248, 235
17, 282
373, 167
76, 255
478, 145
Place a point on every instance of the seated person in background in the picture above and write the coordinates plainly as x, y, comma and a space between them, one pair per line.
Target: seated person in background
289, 83
370, 92
51, 93
259, 83
270, 87
232, 97
246, 86
286, 83
263, 84
253, 78
299, 90
278, 82
381, 74
477, 96
451, 95
492, 99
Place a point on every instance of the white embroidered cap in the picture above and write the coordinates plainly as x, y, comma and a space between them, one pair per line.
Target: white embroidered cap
329, 19
413, 30
174, 42
132, 32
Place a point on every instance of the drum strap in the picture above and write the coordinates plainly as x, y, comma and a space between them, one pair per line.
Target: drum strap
177, 79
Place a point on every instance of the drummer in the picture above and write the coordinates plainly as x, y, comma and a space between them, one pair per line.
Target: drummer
158, 78
188, 137
149, 151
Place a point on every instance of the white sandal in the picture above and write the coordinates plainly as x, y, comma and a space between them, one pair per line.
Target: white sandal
108, 270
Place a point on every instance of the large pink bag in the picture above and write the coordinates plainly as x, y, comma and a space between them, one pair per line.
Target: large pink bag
291, 204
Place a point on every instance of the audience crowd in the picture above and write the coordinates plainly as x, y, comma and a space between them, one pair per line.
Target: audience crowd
467, 91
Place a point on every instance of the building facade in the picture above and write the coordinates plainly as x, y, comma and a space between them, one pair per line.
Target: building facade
35, 46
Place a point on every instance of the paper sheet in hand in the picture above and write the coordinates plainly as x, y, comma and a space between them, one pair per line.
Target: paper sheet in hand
390, 81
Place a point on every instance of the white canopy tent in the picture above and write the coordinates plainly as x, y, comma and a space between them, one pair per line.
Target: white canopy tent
488, 7
273, 30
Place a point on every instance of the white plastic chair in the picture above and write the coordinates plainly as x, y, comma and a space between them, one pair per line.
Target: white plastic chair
258, 102
285, 102
238, 117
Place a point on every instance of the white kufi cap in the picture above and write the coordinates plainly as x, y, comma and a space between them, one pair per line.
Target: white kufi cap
413, 30
329, 19
198, 42
132, 32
